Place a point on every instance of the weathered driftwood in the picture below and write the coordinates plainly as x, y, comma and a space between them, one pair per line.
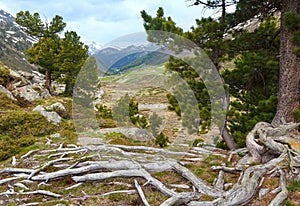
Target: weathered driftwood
141, 193
199, 184
283, 194
265, 140
275, 149
125, 164
126, 173
181, 199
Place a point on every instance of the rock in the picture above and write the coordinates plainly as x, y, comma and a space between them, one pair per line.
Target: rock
26, 93
138, 134
59, 108
38, 78
52, 117
15, 74
131, 133
7, 93
56, 135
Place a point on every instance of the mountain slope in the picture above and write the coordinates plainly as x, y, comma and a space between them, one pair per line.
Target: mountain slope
113, 60
13, 43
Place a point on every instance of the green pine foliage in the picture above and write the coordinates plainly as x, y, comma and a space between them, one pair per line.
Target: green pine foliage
59, 58
126, 112
162, 140
253, 83
292, 22
70, 58
155, 123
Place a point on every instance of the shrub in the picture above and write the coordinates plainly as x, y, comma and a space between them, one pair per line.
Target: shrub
4, 74
162, 140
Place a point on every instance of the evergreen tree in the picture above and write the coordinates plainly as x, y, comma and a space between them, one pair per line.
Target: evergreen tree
70, 58
209, 35
288, 97
60, 58
155, 123
44, 51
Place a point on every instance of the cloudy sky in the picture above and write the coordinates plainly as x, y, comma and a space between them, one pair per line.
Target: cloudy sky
105, 20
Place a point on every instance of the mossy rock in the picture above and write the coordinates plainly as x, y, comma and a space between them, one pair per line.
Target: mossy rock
4, 75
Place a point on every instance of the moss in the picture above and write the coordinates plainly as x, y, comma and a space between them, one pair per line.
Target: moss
21, 129
10, 147
294, 186
21, 123
4, 74
7, 104
119, 138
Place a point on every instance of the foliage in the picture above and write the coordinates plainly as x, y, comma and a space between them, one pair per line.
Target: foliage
70, 58
18, 123
155, 123
295, 186
126, 112
174, 106
60, 58
18, 129
7, 104
254, 81
292, 22
4, 74
162, 140
10, 147
104, 112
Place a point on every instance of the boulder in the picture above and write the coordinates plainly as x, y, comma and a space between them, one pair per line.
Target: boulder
59, 108
7, 93
26, 93
137, 134
52, 117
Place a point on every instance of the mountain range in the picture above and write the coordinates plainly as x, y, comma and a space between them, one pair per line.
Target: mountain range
111, 59
114, 60
13, 43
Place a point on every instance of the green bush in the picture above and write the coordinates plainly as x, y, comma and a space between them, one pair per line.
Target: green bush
4, 75
7, 104
20, 129
162, 140
10, 147
103, 112
16, 124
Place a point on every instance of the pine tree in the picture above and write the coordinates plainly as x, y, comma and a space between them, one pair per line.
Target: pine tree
209, 36
70, 58
44, 51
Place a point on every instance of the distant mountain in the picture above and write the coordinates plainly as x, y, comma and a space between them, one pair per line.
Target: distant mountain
13, 43
114, 60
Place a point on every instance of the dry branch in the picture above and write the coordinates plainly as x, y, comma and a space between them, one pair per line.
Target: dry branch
141, 193
126, 173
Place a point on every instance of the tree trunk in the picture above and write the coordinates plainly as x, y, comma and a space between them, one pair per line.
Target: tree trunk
288, 98
48, 80
223, 18
227, 137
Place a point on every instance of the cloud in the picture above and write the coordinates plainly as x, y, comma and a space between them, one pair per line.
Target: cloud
105, 20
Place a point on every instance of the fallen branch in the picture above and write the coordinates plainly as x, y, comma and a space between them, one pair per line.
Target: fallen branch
198, 183
181, 199
126, 173
141, 193
281, 196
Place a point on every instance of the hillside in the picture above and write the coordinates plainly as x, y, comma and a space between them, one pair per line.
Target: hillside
115, 60
13, 43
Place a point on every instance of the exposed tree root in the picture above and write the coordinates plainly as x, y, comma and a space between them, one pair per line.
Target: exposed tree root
275, 151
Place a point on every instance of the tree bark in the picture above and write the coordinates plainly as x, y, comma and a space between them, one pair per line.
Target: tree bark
48, 80
288, 98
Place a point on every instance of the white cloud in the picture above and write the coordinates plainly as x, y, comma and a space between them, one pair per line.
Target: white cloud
105, 20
